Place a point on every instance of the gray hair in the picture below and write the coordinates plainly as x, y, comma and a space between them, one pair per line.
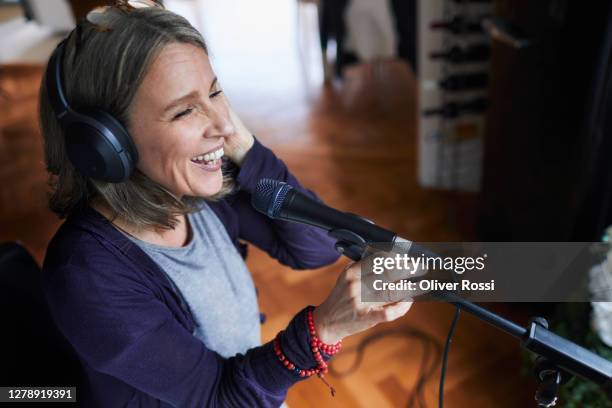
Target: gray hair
105, 60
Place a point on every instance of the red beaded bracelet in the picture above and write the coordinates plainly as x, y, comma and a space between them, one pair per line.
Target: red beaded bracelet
316, 346
315, 341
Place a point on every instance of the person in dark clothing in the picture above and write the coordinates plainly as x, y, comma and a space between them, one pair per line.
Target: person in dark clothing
146, 277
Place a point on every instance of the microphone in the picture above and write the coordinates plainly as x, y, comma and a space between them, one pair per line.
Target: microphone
279, 200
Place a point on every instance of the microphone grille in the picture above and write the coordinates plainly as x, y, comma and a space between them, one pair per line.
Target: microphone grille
269, 196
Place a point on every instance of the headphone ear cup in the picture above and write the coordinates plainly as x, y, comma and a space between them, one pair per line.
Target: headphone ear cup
99, 147
97, 144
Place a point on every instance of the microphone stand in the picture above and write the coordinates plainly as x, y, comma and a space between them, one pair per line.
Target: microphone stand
558, 358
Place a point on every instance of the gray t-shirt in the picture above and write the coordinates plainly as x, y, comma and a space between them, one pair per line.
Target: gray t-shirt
215, 282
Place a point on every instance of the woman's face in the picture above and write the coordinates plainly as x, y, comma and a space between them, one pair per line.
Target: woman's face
179, 121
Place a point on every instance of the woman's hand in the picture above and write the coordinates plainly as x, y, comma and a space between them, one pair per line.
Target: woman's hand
238, 144
343, 313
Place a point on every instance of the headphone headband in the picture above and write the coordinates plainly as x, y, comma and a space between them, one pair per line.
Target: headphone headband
58, 100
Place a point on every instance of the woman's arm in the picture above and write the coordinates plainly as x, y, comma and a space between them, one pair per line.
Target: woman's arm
119, 327
295, 245
121, 323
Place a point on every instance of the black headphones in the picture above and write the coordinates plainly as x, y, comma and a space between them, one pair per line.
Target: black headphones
97, 144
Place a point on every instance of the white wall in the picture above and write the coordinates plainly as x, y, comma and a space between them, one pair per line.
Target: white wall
54, 14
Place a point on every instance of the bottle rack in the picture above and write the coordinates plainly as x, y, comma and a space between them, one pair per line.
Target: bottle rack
452, 93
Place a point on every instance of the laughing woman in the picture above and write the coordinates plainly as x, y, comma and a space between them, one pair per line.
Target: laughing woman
146, 277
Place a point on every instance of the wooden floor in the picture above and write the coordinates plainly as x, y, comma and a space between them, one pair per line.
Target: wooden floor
354, 144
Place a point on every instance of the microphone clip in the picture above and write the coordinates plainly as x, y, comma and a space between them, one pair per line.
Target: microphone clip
349, 244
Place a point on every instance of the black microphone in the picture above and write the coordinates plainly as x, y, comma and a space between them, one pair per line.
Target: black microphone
279, 200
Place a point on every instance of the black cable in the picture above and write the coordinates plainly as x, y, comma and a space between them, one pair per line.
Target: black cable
426, 369
449, 340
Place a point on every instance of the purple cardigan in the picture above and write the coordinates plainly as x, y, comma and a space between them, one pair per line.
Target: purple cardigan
132, 333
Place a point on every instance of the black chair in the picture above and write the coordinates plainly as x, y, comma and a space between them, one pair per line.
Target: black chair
32, 351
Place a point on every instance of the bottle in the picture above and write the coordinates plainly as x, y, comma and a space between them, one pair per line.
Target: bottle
453, 109
458, 55
458, 25
464, 82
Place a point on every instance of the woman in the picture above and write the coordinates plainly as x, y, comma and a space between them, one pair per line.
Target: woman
146, 277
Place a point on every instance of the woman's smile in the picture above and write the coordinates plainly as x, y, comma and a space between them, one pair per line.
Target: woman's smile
210, 161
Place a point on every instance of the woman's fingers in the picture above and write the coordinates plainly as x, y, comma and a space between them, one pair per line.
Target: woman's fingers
385, 280
380, 289
352, 271
240, 141
367, 289
390, 312
397, 310
349, 310
379, 313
